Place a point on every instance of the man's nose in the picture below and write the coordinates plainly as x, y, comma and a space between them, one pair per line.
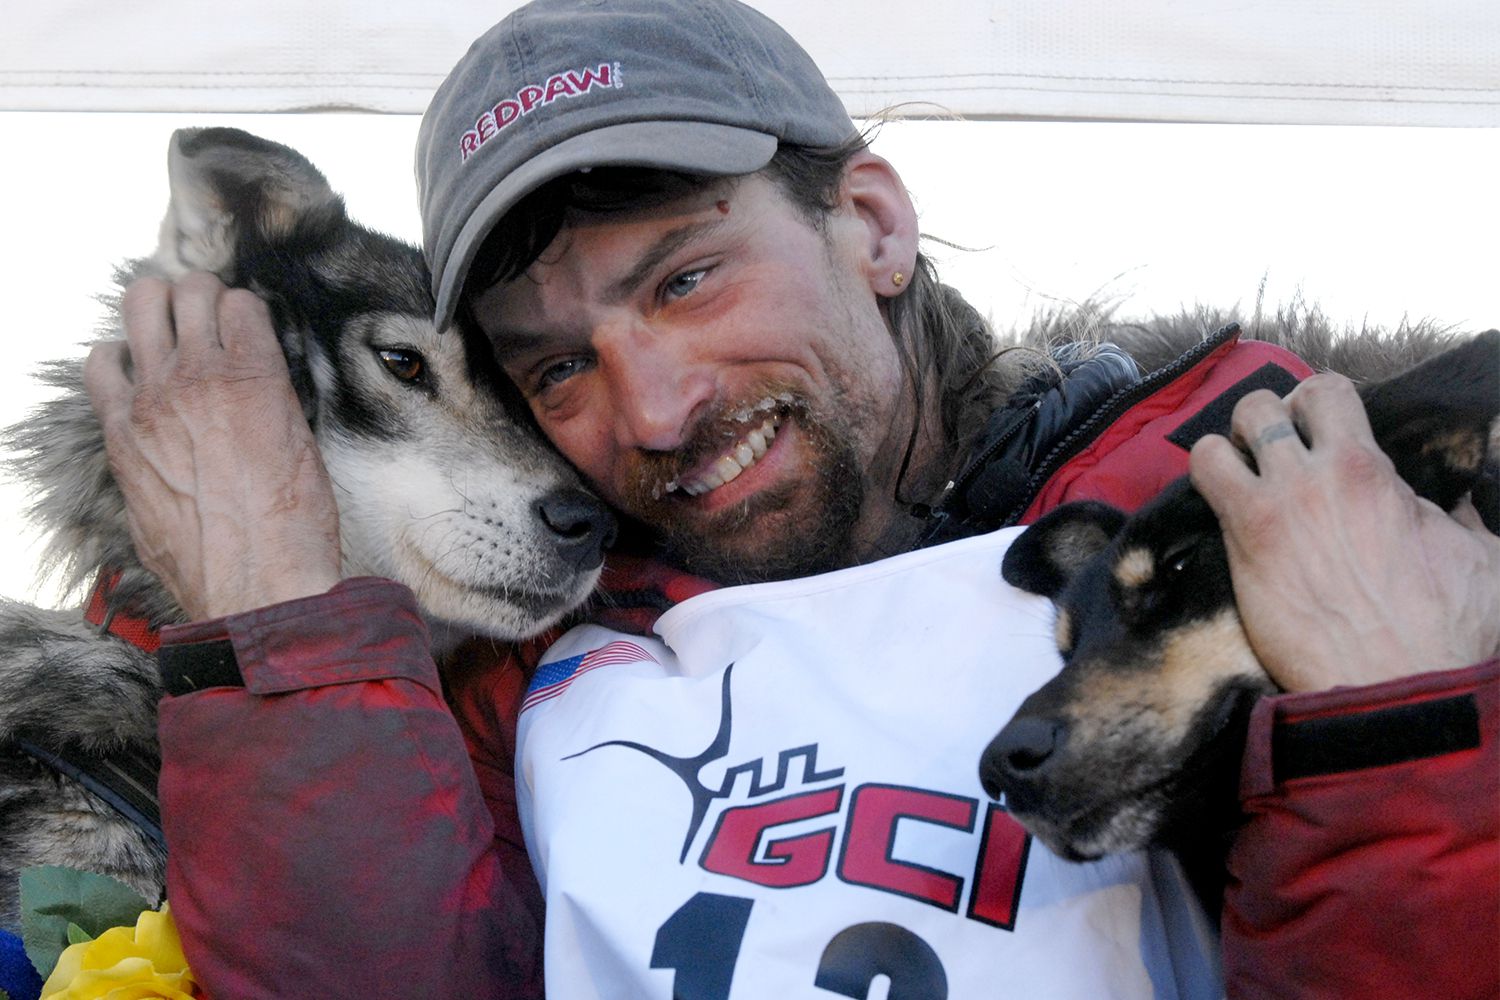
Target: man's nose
658, 386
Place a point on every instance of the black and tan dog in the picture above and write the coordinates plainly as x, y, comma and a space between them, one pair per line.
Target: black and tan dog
1138, 739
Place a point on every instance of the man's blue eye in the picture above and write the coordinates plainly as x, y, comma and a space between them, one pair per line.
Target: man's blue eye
560, 372
681, 284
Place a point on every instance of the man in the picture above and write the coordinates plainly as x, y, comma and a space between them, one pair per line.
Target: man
711, 296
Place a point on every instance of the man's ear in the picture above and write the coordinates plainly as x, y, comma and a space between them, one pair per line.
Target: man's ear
878, 199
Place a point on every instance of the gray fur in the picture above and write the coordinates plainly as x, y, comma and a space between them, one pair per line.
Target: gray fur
447, 468
1363, 353
62, 685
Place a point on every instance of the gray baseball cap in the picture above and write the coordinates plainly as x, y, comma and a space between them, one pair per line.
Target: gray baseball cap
698, 86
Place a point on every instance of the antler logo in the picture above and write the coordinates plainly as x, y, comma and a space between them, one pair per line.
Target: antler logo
753, 842
689, 769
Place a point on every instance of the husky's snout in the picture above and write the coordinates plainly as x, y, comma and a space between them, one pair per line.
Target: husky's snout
580, 526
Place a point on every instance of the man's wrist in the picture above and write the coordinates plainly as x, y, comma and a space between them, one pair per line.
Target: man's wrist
270, 586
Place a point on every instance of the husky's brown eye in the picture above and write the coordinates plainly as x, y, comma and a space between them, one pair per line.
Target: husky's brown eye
408, 366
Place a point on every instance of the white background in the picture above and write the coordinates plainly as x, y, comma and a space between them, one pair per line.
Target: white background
1373, 224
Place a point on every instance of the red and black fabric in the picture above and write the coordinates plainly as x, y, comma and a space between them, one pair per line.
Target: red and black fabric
1131, 447
329, 836
1102, 431
1370, 863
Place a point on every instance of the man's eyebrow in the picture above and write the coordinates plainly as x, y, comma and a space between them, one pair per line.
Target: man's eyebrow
669, 243
508, 344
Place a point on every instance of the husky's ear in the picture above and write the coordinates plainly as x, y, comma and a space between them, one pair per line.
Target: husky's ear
1437, 420
1048, 554
227, 186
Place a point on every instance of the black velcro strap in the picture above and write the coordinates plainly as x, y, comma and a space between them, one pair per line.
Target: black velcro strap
1214, 418
193, 666
1375, 738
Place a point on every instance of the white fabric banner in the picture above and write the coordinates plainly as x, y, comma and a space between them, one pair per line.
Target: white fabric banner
1293, 61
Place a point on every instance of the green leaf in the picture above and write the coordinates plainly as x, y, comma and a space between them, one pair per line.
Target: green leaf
53, 898
77, 935
4, 995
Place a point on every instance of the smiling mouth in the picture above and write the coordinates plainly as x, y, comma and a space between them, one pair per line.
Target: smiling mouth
735, 459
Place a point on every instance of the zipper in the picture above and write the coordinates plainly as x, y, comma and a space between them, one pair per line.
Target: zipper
982, 459
1109, 411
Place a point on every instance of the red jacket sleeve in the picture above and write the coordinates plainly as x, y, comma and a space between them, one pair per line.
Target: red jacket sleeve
1370, 864
327, 833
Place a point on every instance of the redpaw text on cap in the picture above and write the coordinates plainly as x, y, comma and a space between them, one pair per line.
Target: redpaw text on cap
699, 86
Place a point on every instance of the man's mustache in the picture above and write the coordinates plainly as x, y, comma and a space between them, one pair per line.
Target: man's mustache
653, 476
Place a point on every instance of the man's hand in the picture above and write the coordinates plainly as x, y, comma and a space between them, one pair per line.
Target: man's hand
1342, 574
226, 495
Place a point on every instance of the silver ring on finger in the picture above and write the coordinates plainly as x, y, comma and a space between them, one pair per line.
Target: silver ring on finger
1276, 432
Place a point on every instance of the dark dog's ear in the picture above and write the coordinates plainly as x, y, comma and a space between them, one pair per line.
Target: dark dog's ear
1047, 554
228, 185
1436, 421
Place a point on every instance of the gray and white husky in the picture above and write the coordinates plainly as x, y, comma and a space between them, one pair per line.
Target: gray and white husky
442, 484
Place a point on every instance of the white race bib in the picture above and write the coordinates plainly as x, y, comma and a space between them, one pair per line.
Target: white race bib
780, 799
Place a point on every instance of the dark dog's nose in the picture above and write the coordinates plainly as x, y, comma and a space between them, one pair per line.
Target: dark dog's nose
581, 525
1017, 758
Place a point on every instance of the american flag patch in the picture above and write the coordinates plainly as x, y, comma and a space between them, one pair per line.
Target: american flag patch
552, 679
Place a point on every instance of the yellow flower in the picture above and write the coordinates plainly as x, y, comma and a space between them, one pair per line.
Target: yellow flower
123, 963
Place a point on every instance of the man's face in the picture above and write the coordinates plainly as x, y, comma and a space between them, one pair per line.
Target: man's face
719, 369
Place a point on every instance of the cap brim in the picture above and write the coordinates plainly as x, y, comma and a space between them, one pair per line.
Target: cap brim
690, 147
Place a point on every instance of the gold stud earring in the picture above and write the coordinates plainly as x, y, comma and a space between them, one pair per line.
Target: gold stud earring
898, 279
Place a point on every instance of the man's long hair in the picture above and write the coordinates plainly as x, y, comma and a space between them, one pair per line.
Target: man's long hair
946, 347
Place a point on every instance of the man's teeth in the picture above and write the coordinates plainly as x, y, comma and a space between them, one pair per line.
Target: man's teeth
743, 455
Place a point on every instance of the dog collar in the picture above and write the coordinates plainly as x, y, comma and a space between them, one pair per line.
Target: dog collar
185, 668
125, 780
103, 611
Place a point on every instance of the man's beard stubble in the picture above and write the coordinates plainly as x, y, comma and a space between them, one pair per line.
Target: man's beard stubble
793, 529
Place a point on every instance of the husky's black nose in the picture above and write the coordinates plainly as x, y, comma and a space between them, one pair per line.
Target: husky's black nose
581, 525
1017, 758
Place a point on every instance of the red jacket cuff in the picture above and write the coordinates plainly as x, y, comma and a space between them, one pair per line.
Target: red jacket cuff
365, 628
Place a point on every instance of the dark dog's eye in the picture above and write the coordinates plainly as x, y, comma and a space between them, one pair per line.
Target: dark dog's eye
1177, 558
408, 366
